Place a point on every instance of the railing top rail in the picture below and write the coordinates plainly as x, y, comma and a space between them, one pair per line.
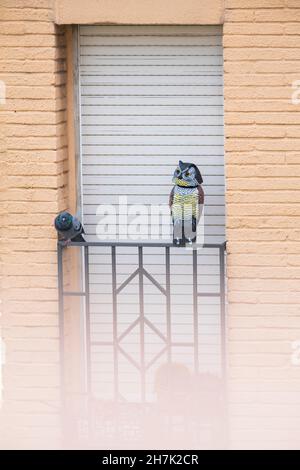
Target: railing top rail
140, 244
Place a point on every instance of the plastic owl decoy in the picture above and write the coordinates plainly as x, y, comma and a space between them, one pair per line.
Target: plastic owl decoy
186, 203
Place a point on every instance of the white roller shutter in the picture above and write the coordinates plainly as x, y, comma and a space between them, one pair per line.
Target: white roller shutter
151, 95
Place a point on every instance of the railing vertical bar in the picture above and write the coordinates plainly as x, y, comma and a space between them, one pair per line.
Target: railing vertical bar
87, 319
168, 305
115, 323
61, 325
195, 311
142, 325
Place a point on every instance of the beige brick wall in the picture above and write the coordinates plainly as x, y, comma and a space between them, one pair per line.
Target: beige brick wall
262, 45
33, 190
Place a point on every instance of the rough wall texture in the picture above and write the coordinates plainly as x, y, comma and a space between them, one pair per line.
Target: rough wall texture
261, 40
33, 190
139, 12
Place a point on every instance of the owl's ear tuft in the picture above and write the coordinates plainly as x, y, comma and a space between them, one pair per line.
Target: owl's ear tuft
199, 176
181, 164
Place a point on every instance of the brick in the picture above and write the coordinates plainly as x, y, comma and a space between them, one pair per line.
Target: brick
278, 15
255, 131
262, 184
250, 397
291, 28
40, 4
43, 258
33, 53
29, 306
35, 393
31, 130
240, 4
29, 40
244, 346
267, 410
263, 41
27, 92
27, 407
277, 171
292, 4
269, 424
30, 232
34, 181
262, 272
33, 207
39, 156
263, 209
38, 79
247, 440
14, 106
259, 29
29, 169
258, 80
263, 248
35, 381
262, 66
260, 360
254, 54
32, 294
28, 66
29, 438
30, 281
254, 378
264, 323
26, 14
34, 332
30, 320
262, 235
239, 16
292, 158
256, 158
264, 297
262, 118
261, 222
32, 118
44, 420
275, 92
260, 260
27, 27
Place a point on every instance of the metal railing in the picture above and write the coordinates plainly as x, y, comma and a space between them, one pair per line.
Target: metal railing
142, 320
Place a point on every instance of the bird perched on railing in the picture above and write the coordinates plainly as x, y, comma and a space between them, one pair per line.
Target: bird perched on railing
69, 228
186, 202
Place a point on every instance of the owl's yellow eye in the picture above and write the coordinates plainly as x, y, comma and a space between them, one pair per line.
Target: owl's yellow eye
187, 173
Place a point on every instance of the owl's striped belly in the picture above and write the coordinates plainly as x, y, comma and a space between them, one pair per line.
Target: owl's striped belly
185, 204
